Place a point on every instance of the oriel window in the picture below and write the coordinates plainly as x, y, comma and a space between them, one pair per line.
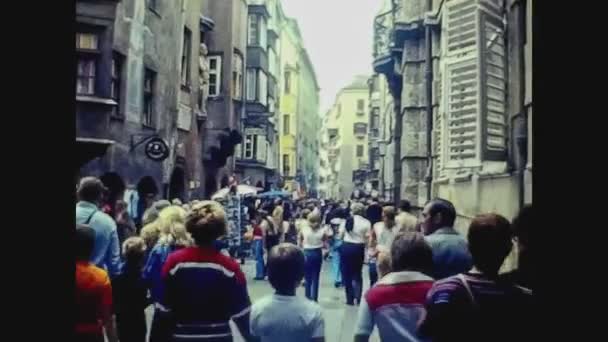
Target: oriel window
87, 48
148, 110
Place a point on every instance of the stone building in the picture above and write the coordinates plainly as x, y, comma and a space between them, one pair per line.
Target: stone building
227, 53
477, 71
136, 96
257, 157
299, 107
348, 138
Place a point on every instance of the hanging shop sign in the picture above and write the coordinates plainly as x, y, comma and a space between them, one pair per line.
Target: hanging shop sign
157, 149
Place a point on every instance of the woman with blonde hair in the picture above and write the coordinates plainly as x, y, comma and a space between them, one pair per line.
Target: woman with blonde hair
204, 288
172, 236
311, 238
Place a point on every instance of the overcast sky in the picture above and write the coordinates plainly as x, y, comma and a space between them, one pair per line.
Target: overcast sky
338, 37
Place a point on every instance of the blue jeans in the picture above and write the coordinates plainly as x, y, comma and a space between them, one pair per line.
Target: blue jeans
335, 260
312, 270
351, 263
373, 272
258, 250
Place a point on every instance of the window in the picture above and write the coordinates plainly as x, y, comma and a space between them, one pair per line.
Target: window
360, 107
261, 147
262, 87
215, 75
115, 88
286, 166
251, 84
237, 77
286, 124
148, 110
87, 47
475, 85
360, 128
186, 57
287, 82
339, 110
250, 146
253, 30
359, 150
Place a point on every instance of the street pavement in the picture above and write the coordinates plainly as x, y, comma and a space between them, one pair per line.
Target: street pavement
340, 319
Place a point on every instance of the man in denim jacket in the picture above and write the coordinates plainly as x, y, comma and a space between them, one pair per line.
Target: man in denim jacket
451, 254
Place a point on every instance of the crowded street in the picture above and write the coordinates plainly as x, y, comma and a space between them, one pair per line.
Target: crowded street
303, 170
339, 318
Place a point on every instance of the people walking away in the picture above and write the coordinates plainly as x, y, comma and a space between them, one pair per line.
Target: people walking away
271, 231
381, 238
131, 293
290, 230
125, 226
151, 213
204, 288
523, 275
374, 212
354, 231
406, 221
477, 305
106, 250
396, 303
338, 217
258, 247
172, 237
93, 295
283, 316
451, 254
311, 239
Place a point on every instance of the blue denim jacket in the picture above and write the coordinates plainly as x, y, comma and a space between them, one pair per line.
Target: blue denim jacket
451, 254
152, 270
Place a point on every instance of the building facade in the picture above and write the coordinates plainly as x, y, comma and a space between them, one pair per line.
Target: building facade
299, 121
459, 73
348, 139
257, 155
137, 99
227, 53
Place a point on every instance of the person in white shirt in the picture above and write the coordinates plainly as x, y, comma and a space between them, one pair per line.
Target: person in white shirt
283, 316
311, 238
355, 232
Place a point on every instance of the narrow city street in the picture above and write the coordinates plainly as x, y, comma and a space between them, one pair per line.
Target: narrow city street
340, 319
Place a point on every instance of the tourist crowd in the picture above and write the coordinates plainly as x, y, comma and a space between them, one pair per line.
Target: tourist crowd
428, 282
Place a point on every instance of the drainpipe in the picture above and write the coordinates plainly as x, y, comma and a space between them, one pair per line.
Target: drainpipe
429, 102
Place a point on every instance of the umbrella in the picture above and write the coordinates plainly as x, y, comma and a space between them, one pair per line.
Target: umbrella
241, 189
274, 193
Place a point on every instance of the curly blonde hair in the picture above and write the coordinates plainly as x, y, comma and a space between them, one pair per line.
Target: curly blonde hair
150, 233
133, 247
171, 225
206, 222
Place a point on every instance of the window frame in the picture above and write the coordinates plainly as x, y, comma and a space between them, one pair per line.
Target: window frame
237, 76
286, 124
118, 61
252, 80
252, 139
148, 98
359, 155
185, 71
360, 110
286, 164
217, 72
88, 55
287, 82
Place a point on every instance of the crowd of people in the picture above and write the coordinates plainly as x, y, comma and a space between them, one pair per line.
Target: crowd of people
427, 281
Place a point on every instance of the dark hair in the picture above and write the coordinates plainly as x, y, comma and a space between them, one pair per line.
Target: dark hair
404, 205
522, 224
489, 242
410, 251
206, 222
90, 189
350, 223
285, 266
85, 241
446, 209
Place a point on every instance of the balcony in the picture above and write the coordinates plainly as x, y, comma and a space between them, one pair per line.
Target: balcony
384, 47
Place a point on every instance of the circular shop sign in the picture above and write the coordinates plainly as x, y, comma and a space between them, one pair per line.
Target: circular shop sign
157, 149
